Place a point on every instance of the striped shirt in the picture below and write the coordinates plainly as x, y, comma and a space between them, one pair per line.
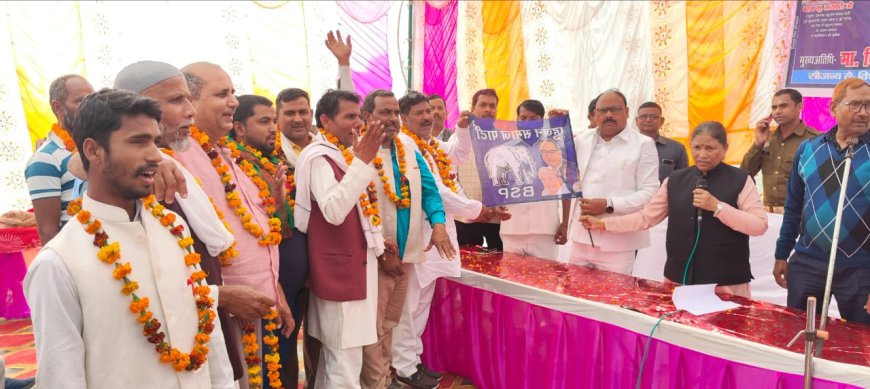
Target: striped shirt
48, 176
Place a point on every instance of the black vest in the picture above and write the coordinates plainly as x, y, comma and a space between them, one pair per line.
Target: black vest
722, 256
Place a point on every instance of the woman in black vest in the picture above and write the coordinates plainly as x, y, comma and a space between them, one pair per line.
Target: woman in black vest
708, 229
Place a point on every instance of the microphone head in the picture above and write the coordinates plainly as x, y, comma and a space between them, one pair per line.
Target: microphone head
701, 184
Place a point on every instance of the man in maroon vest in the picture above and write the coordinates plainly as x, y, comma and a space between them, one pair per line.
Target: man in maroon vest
337, 208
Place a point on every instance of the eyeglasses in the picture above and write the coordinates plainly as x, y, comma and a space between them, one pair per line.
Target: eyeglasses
605, 110
649, 117
855, 106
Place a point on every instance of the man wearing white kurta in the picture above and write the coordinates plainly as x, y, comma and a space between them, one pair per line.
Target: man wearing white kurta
407, 344
619, 175
402, 224
343, 327
86, 336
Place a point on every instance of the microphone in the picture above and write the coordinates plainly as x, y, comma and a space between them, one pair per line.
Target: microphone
701, 184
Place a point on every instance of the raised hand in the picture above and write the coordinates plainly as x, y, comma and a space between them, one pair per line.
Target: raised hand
556, 112
168, 181
340, 49
463, 119
366, 148
762, 131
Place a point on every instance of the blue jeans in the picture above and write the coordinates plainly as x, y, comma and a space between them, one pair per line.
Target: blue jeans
850, 286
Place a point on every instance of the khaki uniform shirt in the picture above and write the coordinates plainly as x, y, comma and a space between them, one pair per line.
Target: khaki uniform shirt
774, 160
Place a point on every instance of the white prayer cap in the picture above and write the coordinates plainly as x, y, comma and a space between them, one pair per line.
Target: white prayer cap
142, 75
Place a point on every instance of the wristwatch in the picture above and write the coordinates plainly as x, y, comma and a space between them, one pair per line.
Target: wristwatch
609, 208
719, 208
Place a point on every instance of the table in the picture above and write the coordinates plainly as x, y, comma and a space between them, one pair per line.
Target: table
13, 242
519, 322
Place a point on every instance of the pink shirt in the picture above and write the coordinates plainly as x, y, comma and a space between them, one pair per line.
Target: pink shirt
256, 266
749, 217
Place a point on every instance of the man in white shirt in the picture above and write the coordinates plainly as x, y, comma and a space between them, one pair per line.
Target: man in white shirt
343, 278
123, 255
407, 345
618, 175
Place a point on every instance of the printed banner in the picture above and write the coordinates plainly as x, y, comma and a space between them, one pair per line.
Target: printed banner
831, 43
524, 162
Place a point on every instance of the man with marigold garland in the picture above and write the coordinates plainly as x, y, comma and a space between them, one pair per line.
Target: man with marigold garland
235, 192
118, 296
52, 186
336, 202
441, 157
409, 199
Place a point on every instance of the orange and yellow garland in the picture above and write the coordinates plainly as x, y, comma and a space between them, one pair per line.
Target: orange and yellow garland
433, 150
369, 200
110, 253
270, 238
64, 136
273, 359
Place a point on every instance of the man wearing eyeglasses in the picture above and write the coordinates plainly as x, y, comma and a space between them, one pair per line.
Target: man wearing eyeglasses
619, 175
774, 149
672, 154
810, 209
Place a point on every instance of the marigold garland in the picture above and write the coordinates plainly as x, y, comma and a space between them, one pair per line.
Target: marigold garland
273, 359
110, 253
270, 238
432, 150
369, 200
68, 143
403, 200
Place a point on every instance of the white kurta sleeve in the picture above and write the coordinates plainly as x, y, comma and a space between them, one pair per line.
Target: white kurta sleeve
458, 147
345, 80
337, 199
220, 370
456, 204
647, 178
57, 322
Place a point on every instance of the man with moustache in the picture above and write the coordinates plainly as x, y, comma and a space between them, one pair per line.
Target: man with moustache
294, 105
418, 133
120, 271
773, 151
618, 175
238, 198
51, 183
484, 104
672, 154
804, 245
439, 117
336, 202
167, 85
409, 199
254, 135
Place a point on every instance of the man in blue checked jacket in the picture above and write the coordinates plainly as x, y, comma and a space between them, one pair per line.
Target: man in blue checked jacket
811, 207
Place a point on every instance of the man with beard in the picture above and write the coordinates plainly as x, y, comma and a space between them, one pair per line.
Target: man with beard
294, 105
167, 85
418, 134
125, 268
336, 202
618, 174
254, 135
773, 151
49, 180
439, 116
233, 188
410, 199
484, 104
672, 154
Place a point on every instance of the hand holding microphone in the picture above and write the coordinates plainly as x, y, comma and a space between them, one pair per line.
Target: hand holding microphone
702, 199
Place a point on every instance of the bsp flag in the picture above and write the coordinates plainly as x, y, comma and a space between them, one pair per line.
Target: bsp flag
527, 161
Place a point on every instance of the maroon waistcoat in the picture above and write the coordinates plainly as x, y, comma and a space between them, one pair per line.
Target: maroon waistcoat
337, 255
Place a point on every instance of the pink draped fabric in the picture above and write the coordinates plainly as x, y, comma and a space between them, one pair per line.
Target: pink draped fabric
817, 113
366, 23
439, 60
501, 342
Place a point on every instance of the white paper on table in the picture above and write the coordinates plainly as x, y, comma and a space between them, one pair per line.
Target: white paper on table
700, 299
